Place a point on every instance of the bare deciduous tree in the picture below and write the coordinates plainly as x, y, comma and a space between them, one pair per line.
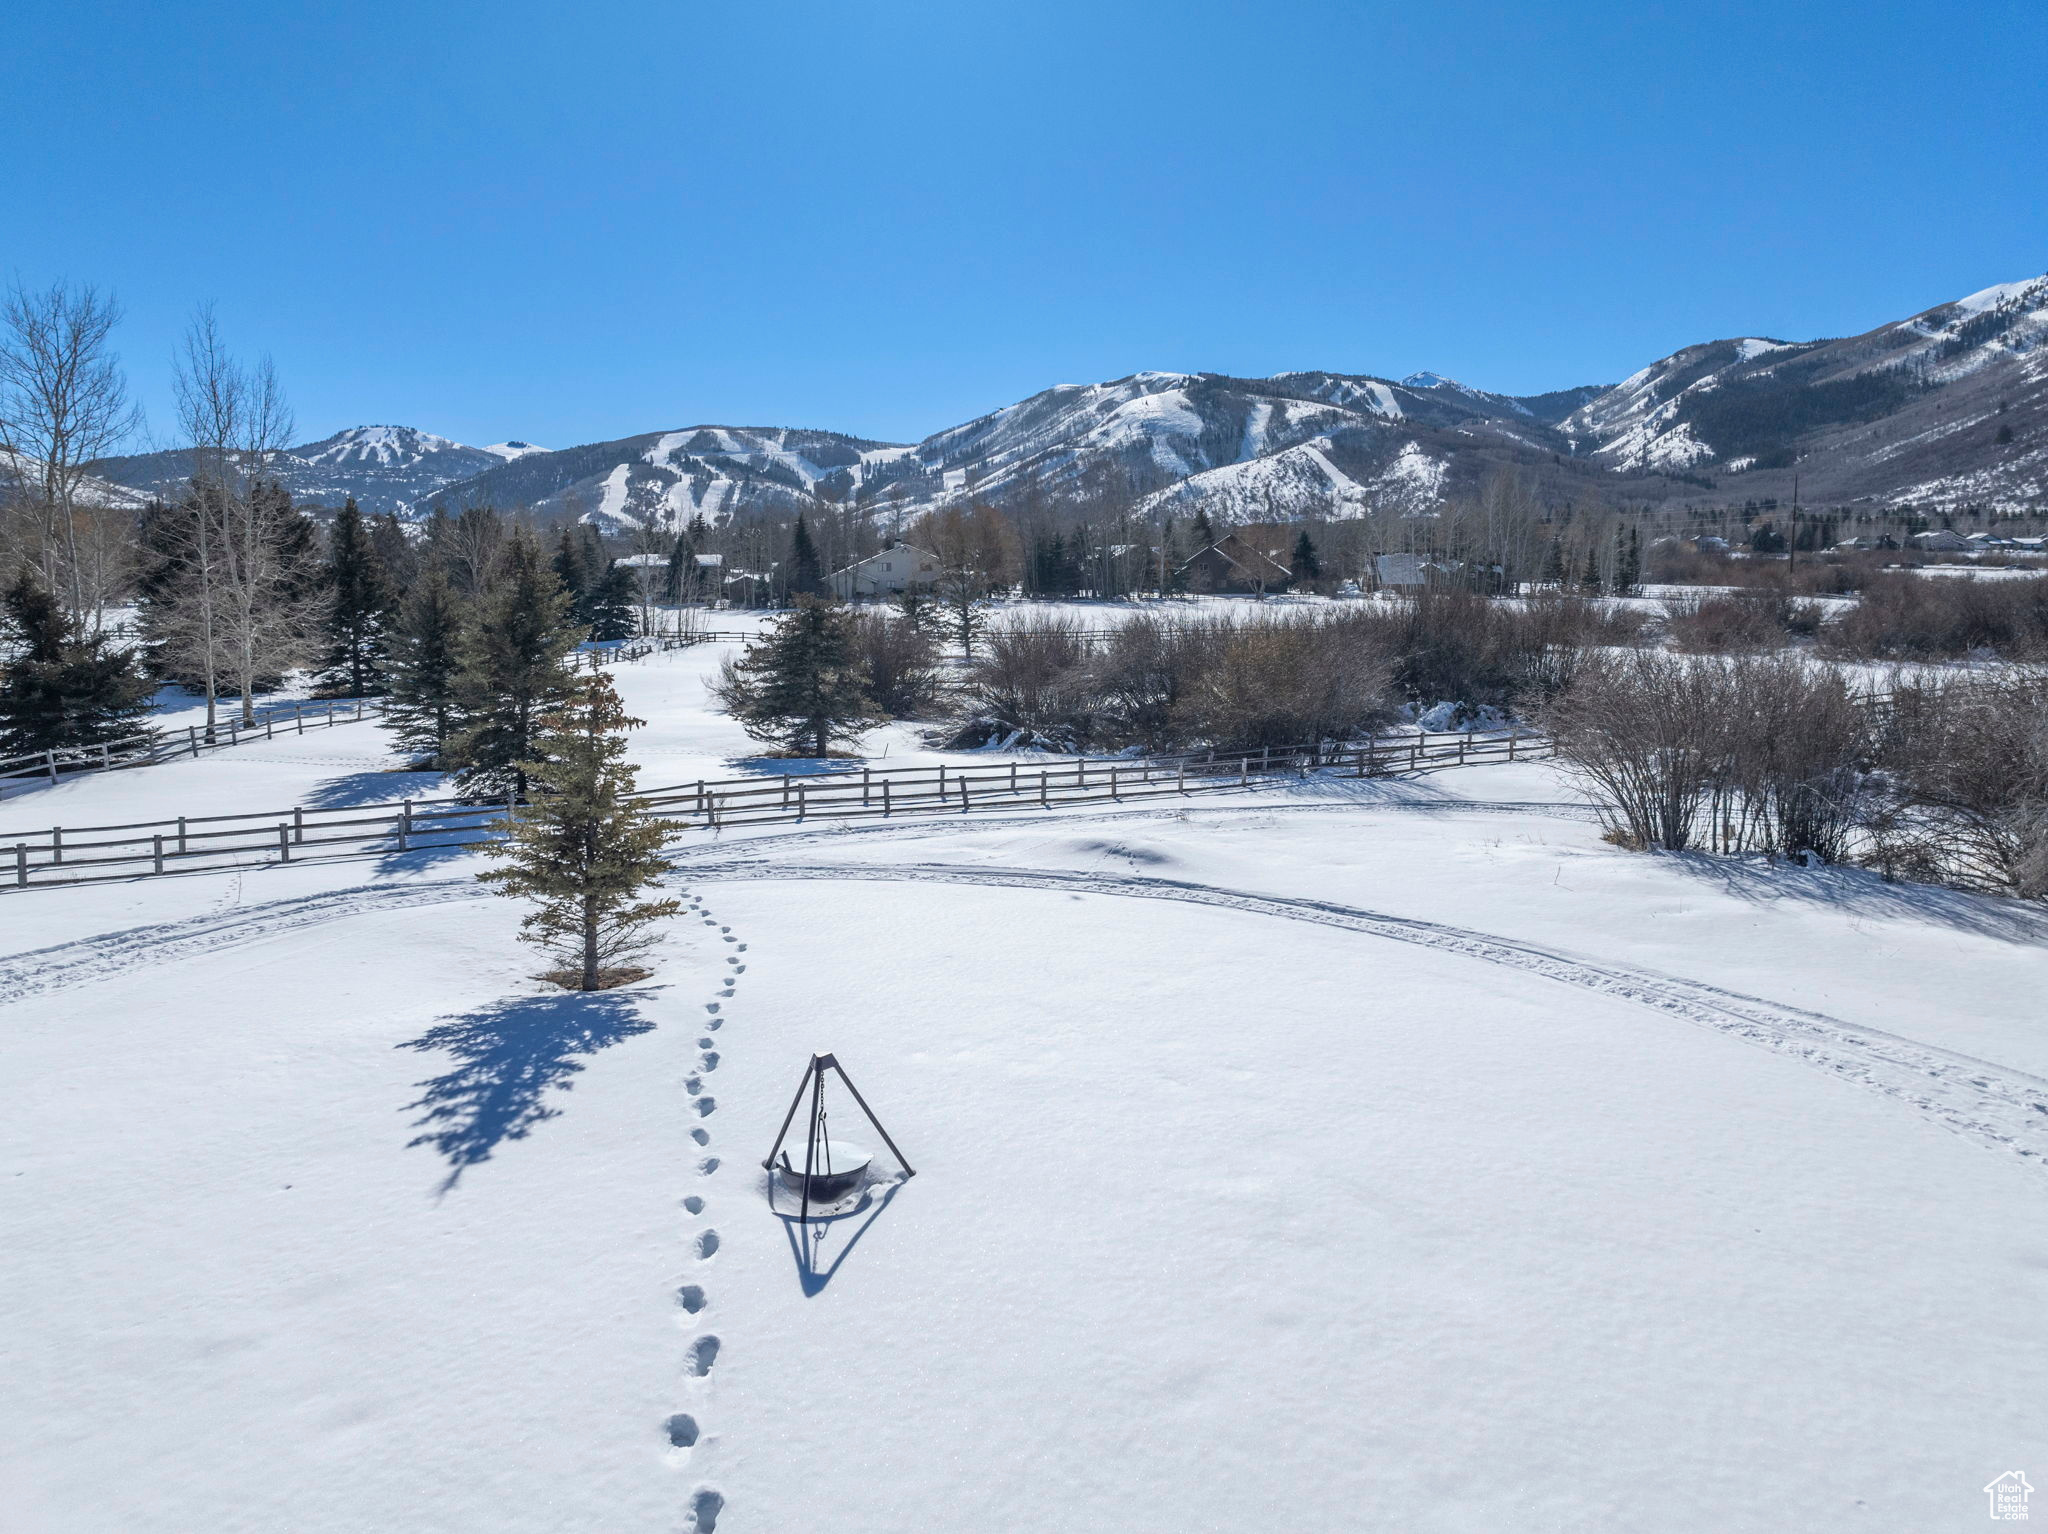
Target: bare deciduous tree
63, 403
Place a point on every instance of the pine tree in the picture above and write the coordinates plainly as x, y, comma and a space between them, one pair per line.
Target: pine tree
682, 572
573, 568
1554, 573
801, 687
1205, 531
1307, 568
513, 668
63, 691
1589, 578
609, 606
420, 664
965, 617
395, 552
358, 611
585, 851
806, 571
1628, 563
918, 609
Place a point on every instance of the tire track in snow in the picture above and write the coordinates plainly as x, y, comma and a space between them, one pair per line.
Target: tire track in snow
115, 953
1995, 1105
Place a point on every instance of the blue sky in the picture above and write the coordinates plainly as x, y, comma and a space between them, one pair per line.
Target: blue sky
568, 223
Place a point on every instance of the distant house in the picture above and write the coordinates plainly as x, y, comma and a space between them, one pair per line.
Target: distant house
1943, 540
1232, 565
1397, 571
895, 569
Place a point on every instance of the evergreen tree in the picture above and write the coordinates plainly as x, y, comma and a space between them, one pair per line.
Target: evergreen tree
681, 585
1205, 532
1554, 572
609, 607
358, 611
395, 552
513, 668
63, 691
965, 617
1307, 568
585, 851
801, 687
573, 568
1589, 578
805, 572
1628, 563
421, 661
918, 609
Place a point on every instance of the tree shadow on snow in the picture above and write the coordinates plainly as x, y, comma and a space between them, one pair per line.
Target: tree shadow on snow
818, 1247
510, 1058
358, 788
1859, 892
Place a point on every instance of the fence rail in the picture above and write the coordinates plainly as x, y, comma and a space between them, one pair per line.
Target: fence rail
78, 854
167, 745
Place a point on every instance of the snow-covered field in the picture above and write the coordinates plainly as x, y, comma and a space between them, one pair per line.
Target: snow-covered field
1345, 1156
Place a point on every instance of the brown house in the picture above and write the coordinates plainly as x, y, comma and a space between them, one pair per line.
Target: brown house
1232, 565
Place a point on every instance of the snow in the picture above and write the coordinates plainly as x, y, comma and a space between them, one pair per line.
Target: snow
1345, 1155
1752, 348
1999, 293
514, 449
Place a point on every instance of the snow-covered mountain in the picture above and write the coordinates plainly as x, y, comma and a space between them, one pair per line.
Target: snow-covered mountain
1948, 406
386, 468
22, 475
1292, 445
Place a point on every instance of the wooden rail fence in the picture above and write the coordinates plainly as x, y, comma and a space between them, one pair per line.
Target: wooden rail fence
71, 855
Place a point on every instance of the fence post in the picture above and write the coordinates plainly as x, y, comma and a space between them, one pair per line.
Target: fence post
106, 756
1511, 746
1463, 741
21, 864
181, 833
942, 783
1112, 782
192, 738
1180, 779
864, 787
284, 841
885, 799
270, 727
298, 825
799, 800
50, 760
56, 844
299, 717
158, 839
1044, 798
330, 711
963, 793
785, 793
405, 826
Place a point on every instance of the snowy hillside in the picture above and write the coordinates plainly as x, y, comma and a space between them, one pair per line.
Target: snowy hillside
1949, 405
1348, 1155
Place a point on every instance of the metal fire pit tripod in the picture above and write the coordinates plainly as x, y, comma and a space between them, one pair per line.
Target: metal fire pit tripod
816, 1146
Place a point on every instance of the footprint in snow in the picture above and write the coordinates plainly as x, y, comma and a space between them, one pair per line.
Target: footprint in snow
694, 1204
681, 1429
705, 1507
707, 1244
703, 1354
693, 1086
710, 1059
700, 1136
706, 1106
707, 1166
691, 1298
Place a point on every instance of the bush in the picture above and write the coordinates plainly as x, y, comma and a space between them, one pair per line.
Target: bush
1760, 753
1740, 622
1967, 765
900, 660
1913, 617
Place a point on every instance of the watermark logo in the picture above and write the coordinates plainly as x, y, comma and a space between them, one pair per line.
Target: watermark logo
2008, 1496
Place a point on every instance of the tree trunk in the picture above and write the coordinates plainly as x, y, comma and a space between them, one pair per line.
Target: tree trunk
589, 943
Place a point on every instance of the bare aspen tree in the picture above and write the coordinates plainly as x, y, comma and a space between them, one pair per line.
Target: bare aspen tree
63, 403
244, 608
